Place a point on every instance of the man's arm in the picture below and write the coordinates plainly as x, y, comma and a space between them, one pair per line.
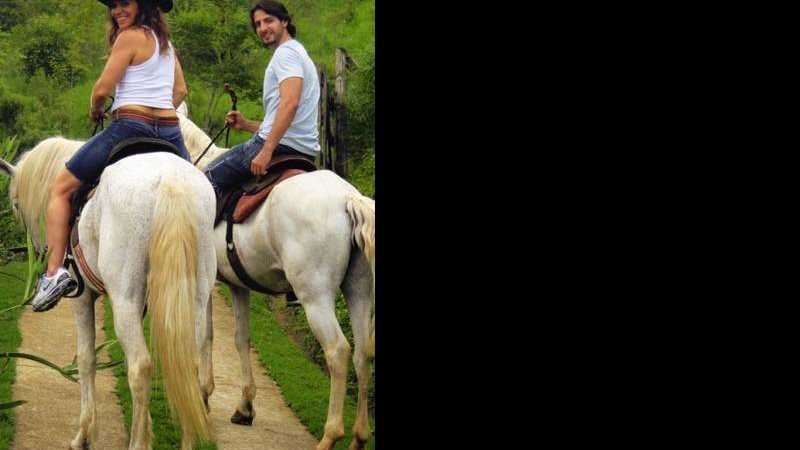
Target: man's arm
238, 122
290, 89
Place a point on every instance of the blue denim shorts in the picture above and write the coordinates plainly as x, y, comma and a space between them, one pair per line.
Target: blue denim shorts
233, 167
89, 161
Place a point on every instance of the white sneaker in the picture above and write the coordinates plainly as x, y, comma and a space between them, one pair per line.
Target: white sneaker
50, 290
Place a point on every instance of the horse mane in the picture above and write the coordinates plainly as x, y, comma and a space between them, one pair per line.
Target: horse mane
35, 171
196, 140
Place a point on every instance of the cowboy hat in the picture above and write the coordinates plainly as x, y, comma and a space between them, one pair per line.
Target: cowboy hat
166, 5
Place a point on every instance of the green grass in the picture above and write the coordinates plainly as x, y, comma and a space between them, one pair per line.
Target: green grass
166, 435
11, 292
304, 385
362, 174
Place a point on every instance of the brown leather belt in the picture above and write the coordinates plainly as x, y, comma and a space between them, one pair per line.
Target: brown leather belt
144, 117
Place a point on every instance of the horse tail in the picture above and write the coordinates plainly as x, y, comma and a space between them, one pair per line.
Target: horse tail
362, 214
170, 297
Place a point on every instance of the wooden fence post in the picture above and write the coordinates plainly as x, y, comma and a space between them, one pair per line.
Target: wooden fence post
332, 118
323, 122
343, 62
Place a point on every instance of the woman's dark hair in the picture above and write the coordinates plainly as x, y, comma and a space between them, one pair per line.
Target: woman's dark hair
276, 9
149, 16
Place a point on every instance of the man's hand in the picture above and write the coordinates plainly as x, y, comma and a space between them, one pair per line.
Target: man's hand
236, 120
259, 164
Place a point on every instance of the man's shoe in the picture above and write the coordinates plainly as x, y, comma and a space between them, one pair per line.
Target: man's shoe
51, 289
291, 300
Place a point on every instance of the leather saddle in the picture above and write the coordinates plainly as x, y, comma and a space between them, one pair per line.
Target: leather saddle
240, 201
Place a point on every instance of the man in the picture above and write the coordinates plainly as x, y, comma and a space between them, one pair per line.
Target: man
291, 98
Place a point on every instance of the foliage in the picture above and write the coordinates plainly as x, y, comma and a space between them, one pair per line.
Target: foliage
49, 46
361, 124
362, 173
12, 233
361, 105
12, 285
10, 109
225, 49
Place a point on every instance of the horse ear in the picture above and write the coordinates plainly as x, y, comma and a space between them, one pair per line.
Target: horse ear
7, 168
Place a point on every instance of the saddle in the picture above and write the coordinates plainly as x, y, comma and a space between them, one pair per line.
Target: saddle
241, 201
126, 148
138, 146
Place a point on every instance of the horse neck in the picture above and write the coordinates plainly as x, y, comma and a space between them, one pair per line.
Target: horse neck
36, 171
197, 141
212, 153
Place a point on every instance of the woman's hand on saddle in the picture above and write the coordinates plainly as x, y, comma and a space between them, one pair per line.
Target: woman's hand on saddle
236, 120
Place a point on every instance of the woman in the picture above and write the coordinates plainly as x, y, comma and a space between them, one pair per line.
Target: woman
149, 86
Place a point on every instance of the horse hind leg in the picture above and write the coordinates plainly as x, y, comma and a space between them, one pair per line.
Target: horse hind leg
83, 311
128, 325
205, 341
244, 413
357, 289
321, 317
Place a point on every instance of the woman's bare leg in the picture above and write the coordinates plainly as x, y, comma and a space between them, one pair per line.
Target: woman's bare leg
57, 220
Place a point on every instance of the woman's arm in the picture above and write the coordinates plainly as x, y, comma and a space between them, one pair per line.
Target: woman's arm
179, 86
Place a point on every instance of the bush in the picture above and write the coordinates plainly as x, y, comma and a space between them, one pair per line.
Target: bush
10, 110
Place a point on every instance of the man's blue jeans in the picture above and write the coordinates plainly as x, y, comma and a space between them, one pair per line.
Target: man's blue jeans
233, 167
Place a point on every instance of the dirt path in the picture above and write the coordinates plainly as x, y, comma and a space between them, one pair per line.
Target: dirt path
50, 418
275, 426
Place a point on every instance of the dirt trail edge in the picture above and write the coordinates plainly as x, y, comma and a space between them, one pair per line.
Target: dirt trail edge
50, 418
275, 426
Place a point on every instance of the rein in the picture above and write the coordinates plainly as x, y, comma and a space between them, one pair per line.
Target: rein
227, 126
101, 120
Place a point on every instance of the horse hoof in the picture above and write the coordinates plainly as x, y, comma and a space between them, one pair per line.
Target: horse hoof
240, 419
81, 445
357, 445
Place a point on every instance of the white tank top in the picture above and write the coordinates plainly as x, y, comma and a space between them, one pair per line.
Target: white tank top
148, 83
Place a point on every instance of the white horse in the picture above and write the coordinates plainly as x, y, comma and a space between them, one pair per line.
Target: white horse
147, 235
314, 234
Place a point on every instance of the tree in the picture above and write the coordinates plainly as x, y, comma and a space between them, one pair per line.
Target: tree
48, 44
216, 46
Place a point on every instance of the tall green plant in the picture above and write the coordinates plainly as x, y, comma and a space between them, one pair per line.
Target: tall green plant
11, 233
